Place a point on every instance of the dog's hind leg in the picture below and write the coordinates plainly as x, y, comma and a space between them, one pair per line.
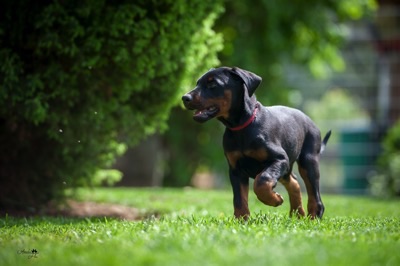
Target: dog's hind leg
308, 162
293, 188
309, 171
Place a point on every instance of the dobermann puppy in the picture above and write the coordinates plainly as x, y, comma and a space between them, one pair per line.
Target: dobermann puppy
260, 142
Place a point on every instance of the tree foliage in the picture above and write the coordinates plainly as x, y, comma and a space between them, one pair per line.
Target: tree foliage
386, 182
263, 36
80, 78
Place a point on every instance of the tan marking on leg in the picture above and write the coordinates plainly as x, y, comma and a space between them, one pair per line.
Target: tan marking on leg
312, 205
265, 193
293, 189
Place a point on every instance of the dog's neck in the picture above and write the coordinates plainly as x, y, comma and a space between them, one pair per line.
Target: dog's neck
242, 115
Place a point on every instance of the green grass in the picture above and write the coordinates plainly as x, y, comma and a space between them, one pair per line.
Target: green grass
197, 228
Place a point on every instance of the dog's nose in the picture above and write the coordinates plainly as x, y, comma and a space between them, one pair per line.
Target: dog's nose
187, 98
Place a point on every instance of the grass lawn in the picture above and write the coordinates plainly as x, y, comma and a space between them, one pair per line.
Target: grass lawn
196, 228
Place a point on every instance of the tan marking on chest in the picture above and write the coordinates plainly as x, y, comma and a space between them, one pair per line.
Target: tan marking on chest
260, 155
233, 157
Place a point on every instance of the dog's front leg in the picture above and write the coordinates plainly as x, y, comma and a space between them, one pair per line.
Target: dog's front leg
240, 187
265, 182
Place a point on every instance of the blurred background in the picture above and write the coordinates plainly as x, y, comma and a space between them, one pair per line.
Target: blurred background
90, 91
339, 66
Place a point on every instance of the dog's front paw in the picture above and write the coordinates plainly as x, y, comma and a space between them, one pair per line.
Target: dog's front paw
273, 199
279, 200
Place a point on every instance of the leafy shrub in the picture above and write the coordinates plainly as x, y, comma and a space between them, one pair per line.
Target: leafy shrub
387, 181
80, 79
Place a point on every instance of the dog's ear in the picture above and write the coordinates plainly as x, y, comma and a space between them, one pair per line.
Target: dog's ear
251, 80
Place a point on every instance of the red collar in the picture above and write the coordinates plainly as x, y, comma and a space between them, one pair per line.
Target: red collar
248, 122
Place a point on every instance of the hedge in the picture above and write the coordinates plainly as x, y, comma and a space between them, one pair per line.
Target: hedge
82, 79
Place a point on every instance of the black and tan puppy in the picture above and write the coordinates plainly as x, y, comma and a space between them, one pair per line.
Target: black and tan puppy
260, 142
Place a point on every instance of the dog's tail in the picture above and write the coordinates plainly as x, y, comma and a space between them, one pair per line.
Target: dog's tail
324, 141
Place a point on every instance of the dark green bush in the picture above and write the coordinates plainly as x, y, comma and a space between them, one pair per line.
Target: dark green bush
80, 78
387, 181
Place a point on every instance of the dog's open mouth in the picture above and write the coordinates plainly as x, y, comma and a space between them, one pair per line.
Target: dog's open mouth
205, 114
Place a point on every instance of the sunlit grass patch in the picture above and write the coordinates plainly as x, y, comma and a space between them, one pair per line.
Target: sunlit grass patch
197, 228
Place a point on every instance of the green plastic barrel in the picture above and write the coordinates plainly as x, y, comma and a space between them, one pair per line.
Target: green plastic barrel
359, 149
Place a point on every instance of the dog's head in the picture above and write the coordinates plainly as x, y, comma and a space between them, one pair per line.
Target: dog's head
218, 90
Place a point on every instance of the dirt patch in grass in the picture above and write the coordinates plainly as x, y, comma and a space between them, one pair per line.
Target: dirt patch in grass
78, 209
94, 209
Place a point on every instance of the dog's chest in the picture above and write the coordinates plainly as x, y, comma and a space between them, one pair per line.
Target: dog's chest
250, 162
246, 155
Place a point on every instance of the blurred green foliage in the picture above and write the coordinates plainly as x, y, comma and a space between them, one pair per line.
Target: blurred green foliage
262, 36
80, 79
386, 182
336, 104
191, 147
336, 109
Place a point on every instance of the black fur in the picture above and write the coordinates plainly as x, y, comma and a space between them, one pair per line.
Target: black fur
267, 147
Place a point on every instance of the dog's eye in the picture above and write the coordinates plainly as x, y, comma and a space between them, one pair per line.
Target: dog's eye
211, 84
